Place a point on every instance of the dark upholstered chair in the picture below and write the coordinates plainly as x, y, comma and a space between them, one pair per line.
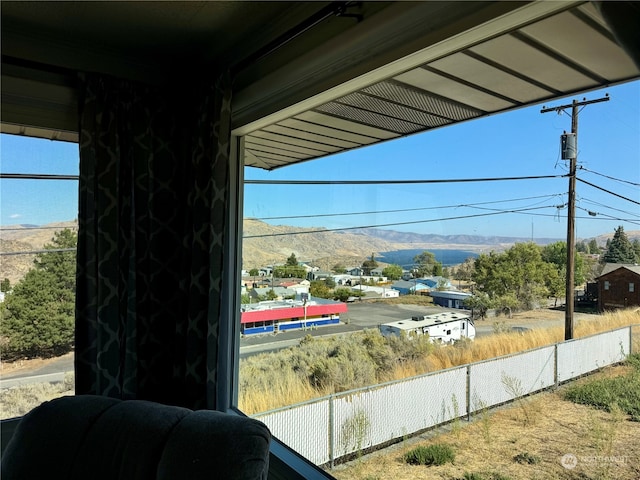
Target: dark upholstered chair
88, 437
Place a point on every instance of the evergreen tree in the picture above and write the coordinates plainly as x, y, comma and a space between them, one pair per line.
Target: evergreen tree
619, 249
5, 285
38, 317
636, 249
594, 249
582, 247
292, 261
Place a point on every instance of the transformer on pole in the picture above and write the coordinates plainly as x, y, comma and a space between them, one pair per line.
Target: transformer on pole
569, 146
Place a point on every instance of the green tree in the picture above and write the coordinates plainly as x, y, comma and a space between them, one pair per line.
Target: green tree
5, 285
636, 248
369, 265
292, 261
594, 249
520, 271
329, 282
437, 271
479, 303
342, 294
392, 272
319, 289
582, 246
38, 317
506, 303
289, 271
619, 249
465, 269
556, 254
254, 272
271, 295
426, 264
339, 268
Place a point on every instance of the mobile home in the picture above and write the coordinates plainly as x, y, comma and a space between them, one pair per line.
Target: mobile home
445, 327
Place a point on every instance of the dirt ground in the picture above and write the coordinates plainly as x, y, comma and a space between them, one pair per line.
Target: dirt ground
561, 439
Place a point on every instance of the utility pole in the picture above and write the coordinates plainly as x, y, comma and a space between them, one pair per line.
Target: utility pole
572, 156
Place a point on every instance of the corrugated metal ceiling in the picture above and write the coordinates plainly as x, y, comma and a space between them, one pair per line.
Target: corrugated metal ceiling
568, 52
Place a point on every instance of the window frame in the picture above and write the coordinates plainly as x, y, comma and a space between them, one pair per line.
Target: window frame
284, 463
8, 426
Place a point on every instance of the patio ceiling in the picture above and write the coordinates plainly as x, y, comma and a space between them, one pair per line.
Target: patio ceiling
523, 58
312, 78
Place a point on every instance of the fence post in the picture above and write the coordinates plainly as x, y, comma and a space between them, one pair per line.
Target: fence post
630, 340
331, 439
468, 393
555, 366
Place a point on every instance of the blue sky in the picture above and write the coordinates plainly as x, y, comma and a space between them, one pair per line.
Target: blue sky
522, 143
516, 144
37, 202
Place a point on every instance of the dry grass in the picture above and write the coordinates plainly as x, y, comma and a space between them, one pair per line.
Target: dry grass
512, 342
268, 392
269, 388
606, 445
422, 300
15, 402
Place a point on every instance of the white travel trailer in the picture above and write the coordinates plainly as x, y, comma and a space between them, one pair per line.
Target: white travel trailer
445, 327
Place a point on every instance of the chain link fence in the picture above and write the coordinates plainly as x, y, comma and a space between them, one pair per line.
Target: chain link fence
329, 429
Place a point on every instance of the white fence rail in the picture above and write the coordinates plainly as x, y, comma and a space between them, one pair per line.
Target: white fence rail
329, 428
577, 357
503, 379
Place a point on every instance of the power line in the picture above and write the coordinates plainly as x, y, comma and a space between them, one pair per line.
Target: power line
609, 217
394, 182
404, 209
610, 208
325, 230
609, 177
37, 176
608, 191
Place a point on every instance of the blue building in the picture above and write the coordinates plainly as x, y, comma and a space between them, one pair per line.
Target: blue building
449, 298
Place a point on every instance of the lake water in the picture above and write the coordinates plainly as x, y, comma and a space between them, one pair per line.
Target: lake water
404, 258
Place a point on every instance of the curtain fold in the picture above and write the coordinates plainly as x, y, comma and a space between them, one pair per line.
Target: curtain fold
153, 187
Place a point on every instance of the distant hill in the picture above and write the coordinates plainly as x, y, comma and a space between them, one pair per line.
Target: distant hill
21, 238
273, 244
601, 240
444, 240
268, 244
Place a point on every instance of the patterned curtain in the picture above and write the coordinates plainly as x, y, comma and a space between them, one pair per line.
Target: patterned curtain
153, 186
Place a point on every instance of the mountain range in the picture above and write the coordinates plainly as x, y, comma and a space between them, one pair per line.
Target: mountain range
266, 244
